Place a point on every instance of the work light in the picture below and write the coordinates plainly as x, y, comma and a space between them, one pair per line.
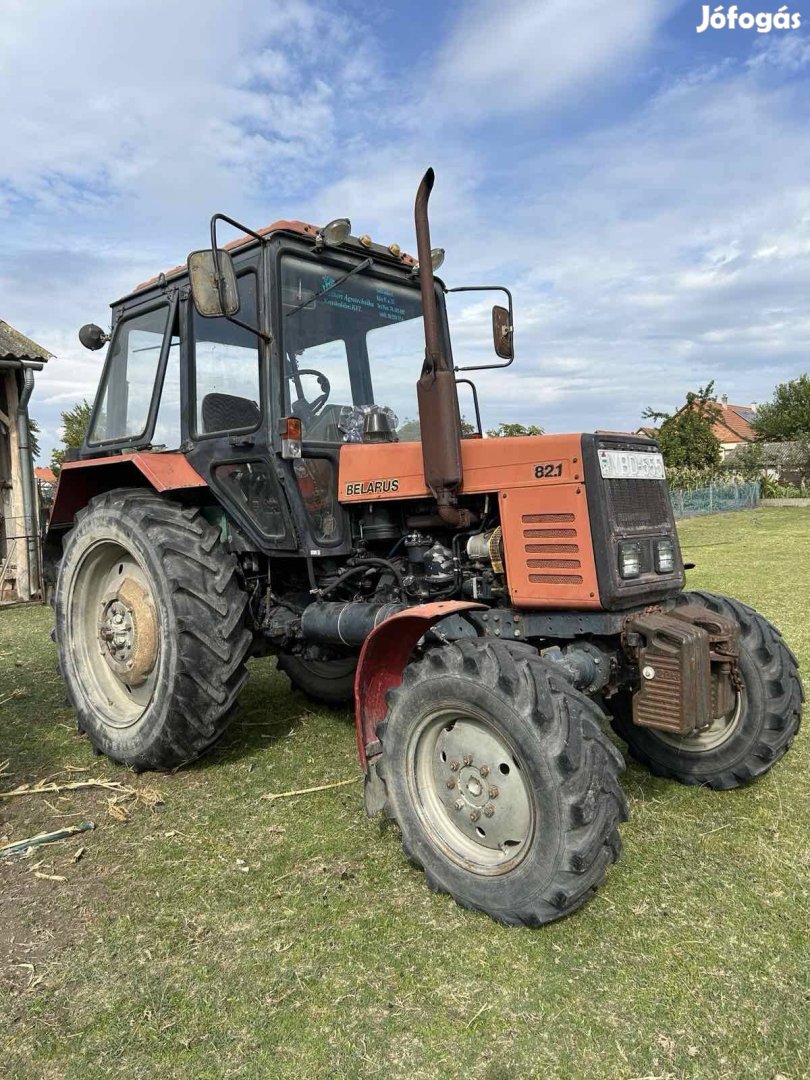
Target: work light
629, 559
664, 556
334, 234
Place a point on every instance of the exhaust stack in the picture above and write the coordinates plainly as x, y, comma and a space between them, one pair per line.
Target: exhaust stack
436, 390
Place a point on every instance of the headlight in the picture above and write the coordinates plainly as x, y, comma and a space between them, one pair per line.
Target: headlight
629, 559
664, 556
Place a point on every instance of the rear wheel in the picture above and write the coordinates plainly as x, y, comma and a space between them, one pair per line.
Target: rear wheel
150, 625
503, 785
756, 732
330, 682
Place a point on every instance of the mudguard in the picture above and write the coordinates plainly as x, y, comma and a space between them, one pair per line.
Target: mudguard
383, 658
80, 481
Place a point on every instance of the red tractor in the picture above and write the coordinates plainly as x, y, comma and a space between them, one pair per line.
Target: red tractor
243, 490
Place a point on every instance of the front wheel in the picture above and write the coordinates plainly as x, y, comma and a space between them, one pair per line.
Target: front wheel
757, 731
503, 785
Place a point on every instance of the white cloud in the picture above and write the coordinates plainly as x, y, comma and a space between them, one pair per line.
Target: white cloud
534, 53
648, 254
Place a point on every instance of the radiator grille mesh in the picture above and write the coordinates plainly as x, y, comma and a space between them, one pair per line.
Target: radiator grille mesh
558, 564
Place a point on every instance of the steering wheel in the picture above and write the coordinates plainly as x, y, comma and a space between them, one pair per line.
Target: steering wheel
314, 407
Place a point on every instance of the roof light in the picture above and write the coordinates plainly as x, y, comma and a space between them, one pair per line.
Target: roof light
436, 260
334, 234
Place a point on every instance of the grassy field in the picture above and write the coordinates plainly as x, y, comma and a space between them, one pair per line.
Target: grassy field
220, 935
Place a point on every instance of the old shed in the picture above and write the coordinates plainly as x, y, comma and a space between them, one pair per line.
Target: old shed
20, 573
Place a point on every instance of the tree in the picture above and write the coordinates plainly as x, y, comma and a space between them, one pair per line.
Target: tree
410, 430
33, 441
787, 417
75, 422
509, 431
686, 437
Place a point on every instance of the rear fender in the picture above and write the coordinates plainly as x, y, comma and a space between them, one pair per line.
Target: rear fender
80, 481
383, 659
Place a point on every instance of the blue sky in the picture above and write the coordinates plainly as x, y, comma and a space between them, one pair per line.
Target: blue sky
644, 189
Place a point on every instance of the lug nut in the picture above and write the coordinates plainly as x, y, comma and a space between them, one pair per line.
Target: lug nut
489, 810
493, 792
475, 815
451, 784
484, 770
459, 804
468, 759
455, 765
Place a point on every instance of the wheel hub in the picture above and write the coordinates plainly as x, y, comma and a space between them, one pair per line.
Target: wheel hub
127, 632
472, 787
484, 825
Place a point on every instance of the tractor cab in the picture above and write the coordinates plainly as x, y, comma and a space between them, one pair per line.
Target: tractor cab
259, 360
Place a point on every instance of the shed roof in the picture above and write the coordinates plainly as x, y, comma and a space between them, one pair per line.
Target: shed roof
16, 346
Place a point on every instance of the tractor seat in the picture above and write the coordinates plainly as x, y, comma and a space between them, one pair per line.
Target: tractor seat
226, 412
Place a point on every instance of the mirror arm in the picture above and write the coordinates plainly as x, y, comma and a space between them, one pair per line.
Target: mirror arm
489, 288
215, 251
474, 388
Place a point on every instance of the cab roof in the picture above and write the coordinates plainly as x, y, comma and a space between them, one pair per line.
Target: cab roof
302, 228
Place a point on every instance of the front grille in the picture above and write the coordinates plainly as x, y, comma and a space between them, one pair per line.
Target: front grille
553, 549
638, 504
628, 509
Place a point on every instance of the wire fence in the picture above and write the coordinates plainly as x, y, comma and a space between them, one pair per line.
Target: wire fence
715, 499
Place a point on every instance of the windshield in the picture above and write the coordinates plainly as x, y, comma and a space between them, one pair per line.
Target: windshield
359, 343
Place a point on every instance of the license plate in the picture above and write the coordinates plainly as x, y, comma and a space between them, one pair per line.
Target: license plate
631, 465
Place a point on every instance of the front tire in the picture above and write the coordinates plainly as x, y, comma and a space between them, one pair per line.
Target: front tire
501, 780
151, 629
738, 748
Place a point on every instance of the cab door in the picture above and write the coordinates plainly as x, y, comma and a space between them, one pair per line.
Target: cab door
227, 412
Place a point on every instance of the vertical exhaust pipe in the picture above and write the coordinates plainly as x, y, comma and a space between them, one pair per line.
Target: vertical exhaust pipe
436, 391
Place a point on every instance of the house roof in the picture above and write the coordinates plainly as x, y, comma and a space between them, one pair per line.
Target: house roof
734, 424
45, 474
16, 346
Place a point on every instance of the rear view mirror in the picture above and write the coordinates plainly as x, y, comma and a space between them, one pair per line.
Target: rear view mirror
93, 337
502, 333
213, 289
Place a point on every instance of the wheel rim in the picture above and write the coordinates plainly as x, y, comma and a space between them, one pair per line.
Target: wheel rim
710, 738
114, 632
470, 791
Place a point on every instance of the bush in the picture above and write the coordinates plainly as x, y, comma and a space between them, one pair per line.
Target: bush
771, 489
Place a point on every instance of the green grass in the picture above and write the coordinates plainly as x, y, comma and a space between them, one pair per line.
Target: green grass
221, 935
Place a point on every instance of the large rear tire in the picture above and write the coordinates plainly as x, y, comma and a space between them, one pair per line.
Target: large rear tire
760, 728
501, 780
151, 629
329, 682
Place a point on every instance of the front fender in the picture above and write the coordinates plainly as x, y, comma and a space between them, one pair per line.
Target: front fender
383, 659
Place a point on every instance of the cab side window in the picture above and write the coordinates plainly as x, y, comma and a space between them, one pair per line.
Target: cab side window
226, 368
122, 406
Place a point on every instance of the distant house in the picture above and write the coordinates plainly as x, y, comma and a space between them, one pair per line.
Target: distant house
46, 482
734, 425
20, 357
731, 429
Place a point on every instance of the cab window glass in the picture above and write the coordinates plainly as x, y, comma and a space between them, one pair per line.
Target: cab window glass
226, 368
167, 425
126, 390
